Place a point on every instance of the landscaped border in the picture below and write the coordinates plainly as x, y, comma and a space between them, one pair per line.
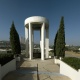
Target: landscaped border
72, 61
67, 70
10, 66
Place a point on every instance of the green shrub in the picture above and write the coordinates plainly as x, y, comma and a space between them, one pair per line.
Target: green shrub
73, 62
5, 57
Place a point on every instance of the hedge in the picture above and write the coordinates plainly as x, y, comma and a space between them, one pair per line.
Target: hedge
5, 57
73, 62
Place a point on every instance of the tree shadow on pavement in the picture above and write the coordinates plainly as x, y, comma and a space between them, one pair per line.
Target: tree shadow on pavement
24, 73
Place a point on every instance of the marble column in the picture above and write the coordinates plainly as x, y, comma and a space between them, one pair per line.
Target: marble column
26, 42
30, 42
42, 41
47, 43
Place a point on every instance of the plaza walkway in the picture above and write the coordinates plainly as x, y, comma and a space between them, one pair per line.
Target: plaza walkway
47, 70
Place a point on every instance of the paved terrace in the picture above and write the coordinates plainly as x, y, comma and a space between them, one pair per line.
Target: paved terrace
27, 70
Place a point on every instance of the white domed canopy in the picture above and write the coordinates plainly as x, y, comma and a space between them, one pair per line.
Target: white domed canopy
36, 19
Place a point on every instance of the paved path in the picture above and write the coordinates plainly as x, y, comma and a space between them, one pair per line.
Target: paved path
47, 70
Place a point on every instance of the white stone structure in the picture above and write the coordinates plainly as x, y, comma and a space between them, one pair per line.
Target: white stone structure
37, 23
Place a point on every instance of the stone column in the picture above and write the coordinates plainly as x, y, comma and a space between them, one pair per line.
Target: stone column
26, 42
42, 41
47, 42
30, 42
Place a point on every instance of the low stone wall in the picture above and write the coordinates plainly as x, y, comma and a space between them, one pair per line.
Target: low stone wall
65, 69
69, 71
56, 61
10, 66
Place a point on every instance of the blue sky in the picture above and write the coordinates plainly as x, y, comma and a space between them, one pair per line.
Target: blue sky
19, 10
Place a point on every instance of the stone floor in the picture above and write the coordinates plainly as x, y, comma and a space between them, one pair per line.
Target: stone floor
27, 70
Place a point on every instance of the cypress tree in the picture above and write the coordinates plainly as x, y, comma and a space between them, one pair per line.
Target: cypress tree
14, 40
60, 43
55, 44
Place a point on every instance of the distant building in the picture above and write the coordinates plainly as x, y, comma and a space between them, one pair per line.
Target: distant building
67, 45
4, 44
22, 40
79, 49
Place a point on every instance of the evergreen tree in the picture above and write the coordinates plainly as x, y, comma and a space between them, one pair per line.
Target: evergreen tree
60, 43
14, 40
55, 44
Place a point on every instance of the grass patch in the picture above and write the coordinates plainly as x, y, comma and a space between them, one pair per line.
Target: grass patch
72, 61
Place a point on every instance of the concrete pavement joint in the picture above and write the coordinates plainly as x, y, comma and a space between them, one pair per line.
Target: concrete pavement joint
40, 72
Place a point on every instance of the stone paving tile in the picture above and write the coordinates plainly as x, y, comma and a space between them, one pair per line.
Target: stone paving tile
60, 78
44, 77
